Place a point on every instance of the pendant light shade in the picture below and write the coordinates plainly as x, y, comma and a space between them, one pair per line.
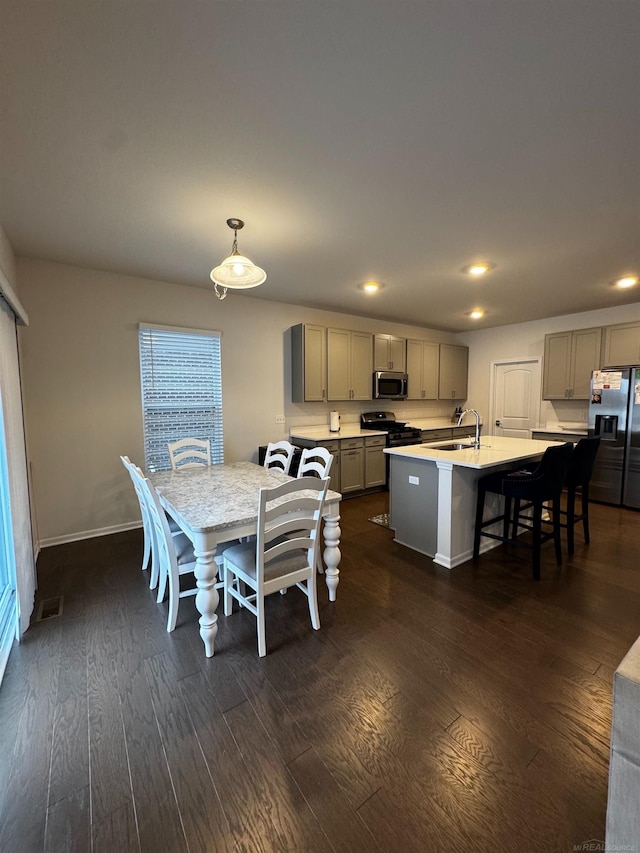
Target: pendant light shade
236, 272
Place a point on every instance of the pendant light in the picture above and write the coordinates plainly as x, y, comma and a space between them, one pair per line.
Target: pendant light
237, 271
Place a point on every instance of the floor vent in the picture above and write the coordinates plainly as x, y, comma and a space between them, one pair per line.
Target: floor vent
50, 608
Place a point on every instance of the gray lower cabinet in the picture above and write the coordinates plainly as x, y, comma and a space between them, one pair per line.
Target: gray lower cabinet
352, 462
375, 463
436, 434
556, 436
358, 463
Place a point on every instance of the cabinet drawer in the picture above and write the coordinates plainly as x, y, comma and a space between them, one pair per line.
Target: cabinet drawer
376, 441
351, 443
331, 446
436, 434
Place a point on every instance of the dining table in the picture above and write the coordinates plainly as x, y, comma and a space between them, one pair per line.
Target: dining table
214, 504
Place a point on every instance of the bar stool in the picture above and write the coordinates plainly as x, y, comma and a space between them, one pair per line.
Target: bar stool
537, 487
578, 478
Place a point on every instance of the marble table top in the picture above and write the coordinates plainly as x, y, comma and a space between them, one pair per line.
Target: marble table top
218, 496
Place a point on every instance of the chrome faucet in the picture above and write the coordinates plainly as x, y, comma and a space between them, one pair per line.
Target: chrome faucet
476, 414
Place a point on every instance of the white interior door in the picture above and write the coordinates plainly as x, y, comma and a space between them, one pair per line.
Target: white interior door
515, 397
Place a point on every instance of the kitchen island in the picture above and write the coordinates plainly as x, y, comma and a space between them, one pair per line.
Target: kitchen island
432, 501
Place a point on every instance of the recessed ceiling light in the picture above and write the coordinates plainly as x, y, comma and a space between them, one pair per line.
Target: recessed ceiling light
371, 286
478, 269
626, 281
476, 313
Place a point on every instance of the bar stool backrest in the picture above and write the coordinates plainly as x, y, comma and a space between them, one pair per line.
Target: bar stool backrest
582, 461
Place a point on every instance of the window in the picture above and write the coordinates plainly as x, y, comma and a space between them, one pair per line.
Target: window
181, 378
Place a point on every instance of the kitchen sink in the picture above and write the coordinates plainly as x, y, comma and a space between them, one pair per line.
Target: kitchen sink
456, 445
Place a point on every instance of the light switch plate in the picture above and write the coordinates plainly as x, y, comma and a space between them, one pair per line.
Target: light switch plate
415, 481
280, 419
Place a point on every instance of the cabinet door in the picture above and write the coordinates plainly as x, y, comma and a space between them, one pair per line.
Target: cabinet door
381, 356
338, 355
334, 475
375, 462
389, 353
431, 371
361, 362
557, 361
460, 372
414, 370
397, 353
352, 470
315, 363
621, 345
585, 358
452, 383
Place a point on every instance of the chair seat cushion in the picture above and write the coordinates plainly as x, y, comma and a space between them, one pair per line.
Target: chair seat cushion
184, 548
243, 557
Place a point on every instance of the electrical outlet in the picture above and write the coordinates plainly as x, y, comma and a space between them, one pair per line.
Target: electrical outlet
280, 419
415, 481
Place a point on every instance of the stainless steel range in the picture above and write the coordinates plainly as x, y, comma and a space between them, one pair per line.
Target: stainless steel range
398, 433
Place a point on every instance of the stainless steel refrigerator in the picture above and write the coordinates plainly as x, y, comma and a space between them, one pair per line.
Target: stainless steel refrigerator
614, 415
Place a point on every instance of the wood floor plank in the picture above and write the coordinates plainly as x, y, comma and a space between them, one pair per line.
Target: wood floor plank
24, 815
69, 825
110, 779
344, 828
157, 814
70, 750
292, 825
229, 774
116, 831
205, 825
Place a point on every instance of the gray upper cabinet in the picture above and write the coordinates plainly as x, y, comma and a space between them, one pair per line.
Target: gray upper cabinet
453, 373
349, 364
423, 363
389, 353
569, 359
621, 344
308, 363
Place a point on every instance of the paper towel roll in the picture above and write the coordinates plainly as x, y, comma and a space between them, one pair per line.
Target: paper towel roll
334, 422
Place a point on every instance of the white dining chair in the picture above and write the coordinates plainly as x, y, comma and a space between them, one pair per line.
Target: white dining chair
279, 455
173, 553
284, 553
189, 453
315, 460
148, 550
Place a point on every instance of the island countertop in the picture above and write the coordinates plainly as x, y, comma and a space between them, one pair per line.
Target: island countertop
493, 451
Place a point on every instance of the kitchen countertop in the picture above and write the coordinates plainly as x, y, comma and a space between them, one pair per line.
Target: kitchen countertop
323, 433
493, 451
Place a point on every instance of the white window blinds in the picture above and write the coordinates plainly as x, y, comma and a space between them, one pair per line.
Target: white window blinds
181, 378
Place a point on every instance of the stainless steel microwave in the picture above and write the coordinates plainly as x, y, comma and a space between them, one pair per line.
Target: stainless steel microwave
389, 385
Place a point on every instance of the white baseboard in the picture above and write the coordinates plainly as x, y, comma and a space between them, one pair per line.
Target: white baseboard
88, 534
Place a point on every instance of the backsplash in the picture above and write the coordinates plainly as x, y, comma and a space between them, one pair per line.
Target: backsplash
557, 412
315, 414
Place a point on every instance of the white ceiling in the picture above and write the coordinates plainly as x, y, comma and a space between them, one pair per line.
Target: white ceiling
395, 140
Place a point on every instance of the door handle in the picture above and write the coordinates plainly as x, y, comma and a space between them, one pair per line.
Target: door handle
498, 423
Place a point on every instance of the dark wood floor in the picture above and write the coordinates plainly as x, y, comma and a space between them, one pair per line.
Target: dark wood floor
434, 711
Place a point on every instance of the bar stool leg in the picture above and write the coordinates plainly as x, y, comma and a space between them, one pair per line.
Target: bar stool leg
557, 541
584, 501
571, 518
536, 532
479, 517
